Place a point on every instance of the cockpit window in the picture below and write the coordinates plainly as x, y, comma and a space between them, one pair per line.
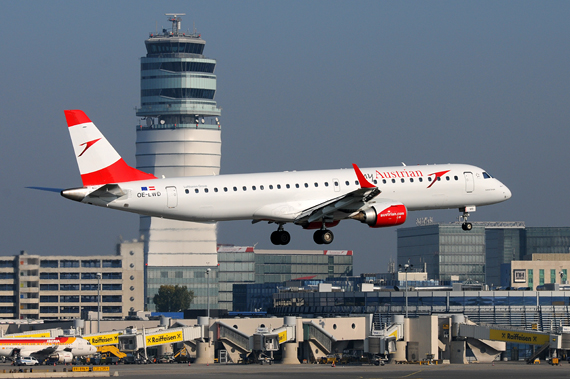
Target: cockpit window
486, 176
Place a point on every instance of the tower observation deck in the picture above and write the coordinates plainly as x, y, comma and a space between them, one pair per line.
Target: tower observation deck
179, 134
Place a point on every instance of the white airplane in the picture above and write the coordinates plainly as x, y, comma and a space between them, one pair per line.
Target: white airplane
40, 348
379, 197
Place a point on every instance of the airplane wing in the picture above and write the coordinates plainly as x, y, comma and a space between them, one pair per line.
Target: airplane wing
343, 205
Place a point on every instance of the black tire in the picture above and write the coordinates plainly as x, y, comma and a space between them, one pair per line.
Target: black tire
275, 238
468, 226
317, 237
327, 237
284, 237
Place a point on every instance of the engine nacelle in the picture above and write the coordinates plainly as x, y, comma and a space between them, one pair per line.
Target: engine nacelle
61, 357
383, 214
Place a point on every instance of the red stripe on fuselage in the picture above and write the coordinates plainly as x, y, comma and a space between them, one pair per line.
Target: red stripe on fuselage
118, 172
76, 117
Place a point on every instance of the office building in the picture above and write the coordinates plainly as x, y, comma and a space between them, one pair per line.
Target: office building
246, 265
449, 252
69, 287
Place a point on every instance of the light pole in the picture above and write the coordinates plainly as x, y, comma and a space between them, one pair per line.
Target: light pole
406, 267
99, 275
208, 290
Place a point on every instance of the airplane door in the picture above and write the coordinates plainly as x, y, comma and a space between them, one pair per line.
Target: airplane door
469, 182
171, 197
336, 185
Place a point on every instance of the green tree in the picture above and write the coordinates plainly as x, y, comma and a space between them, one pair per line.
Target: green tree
173, 298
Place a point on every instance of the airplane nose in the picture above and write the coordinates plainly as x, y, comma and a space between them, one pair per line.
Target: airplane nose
507, 192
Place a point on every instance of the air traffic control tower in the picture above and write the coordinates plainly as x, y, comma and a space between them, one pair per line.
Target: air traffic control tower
178, 135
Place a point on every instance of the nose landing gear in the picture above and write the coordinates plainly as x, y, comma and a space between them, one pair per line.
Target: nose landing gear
466, 225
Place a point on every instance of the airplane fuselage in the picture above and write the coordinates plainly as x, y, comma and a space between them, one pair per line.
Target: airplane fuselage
281, 196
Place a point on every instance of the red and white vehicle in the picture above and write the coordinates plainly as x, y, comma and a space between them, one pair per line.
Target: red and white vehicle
377, 196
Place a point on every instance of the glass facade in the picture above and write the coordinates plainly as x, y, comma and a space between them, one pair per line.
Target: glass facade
447, 250
542, 240
271, 268
194, 278
502, 246
235, 267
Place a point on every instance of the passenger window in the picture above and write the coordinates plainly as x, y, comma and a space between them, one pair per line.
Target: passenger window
235, 188
447, 178
421, 179
297, 185
336, 184
244, 188
384, 181
271, 186
326, 184
186, 190
306, 185
393, 180
439, 178
288, 186
356, 182
225, 189
215, 190
261, 188
455, 177
253, 188
206, 190
375, 181
279, 186
316, 184
196, 190
411, 180
402, 180
429, 178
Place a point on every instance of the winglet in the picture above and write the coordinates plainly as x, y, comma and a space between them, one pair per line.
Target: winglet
364, 183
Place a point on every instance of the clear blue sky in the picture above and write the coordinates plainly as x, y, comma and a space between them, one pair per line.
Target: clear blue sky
303, 85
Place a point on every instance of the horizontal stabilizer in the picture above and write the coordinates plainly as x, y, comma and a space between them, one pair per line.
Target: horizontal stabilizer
47, 189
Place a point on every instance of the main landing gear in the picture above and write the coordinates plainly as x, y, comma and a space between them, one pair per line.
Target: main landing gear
466, 225
323, 237
280, 236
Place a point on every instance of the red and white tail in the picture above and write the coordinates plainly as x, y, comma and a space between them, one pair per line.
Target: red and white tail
99, 163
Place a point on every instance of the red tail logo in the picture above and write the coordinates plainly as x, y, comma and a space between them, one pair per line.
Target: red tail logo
88, 145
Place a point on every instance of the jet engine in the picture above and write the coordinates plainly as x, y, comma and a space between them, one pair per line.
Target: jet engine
382, 215
61, 357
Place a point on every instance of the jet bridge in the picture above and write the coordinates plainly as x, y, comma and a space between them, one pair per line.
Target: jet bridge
235, 341
320, 340
383, 342
159, 336
487, 341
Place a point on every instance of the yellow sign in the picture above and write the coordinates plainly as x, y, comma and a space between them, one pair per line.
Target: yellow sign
445, 326
283, 336
534, 326
162, 338
100, 368
106, 339
81, 369
520, 337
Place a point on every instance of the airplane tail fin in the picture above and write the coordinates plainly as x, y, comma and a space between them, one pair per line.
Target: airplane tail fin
99, 163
